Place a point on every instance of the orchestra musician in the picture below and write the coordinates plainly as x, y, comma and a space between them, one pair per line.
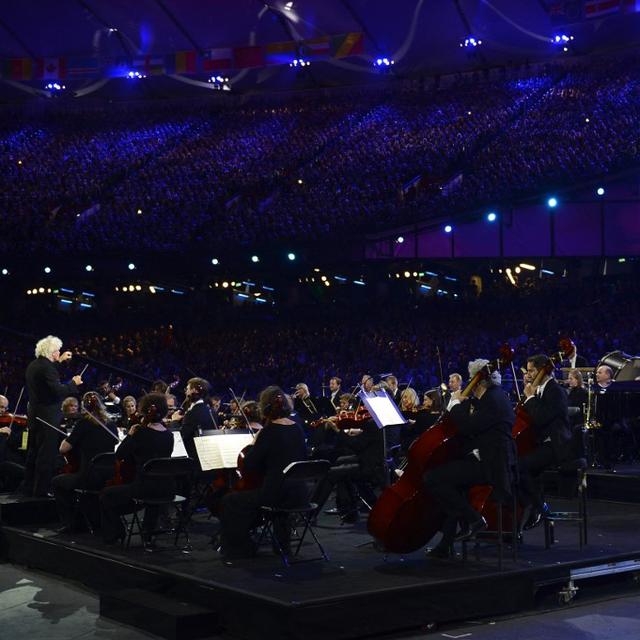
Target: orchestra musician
485, 422
393, 389
335, 385
366, 383
547, 407
109, 398
45, 394
278, 444
573, 360
578, 396
88, 439
455, 385
419, 417
197, 416
12, 457
128, 417
612, 424
304, 405
70, 413
146, 440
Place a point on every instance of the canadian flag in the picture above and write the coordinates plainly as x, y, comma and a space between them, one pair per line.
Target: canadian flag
51, 68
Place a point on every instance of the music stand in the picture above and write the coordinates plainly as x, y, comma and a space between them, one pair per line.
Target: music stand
385, 413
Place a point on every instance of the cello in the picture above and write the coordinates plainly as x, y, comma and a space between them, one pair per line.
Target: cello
406, 516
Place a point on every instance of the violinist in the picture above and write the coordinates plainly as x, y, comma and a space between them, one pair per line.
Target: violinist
88, 439
455, 384
488, 456
304, 405
419, 417
253, 416
367, 383
109, 398
572, 359
196, 417
277, 445
146, 440
335, 385
128, 417
70, 413
12, 456
547, 406
45, 394
393, 389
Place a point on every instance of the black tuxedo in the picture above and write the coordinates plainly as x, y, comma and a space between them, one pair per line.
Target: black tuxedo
550, 422
46, 393
197, 418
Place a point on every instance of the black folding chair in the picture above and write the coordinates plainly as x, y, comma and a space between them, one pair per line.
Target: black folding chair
161, 470
101, 465
311, 473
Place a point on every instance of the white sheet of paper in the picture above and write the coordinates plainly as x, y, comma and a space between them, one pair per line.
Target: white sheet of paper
178, 446
221, 452
386, 410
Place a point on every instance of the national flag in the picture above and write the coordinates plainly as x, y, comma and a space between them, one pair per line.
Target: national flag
186, 62
601, 8
217, 59
17, 68
82, 67
280, 52
150, 65
51, 68
316, 48
348, 44
247, 57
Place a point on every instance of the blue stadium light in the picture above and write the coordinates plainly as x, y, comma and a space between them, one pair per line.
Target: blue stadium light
491, 216
65, 301
131, 266
54, 86
299, 62
552, 203
561, 39
600, 191
383, 63
448, 228
215, 261
399, 239
471, 42
135, 75
255, 259
291, 256
88, 268
47, 269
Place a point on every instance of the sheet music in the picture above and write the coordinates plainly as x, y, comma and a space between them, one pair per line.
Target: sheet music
179, 450
221, 452
383, 409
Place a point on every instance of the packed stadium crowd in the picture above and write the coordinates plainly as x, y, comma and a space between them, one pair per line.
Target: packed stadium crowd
165, 174
247, 349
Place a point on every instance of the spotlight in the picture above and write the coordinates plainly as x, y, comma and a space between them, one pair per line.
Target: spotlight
470, 42
41, 290
299, 62
135, 75
552, 203
255, 259
88, 268
54, 86
138, 287
600, 191
527, 266
225, 285
518, 269
448, 228
131, 266
382, 63
407, 274
5, 272
300, 181
399, 239
291, 256
491, 216
215, 261
139, 212
47, 269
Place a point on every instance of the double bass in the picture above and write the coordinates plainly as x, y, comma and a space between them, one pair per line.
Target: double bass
406, 516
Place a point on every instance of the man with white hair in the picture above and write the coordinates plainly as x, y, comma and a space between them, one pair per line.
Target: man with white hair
488, 456
46, 393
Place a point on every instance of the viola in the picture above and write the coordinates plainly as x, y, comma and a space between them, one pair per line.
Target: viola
406, 516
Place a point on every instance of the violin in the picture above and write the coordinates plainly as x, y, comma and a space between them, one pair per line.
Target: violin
13, 418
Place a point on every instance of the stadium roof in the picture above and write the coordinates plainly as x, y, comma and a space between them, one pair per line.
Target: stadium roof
423, 36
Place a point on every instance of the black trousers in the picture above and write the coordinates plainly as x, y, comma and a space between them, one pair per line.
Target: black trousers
350, 482
63, 487
531, 467
42, 458
449, 485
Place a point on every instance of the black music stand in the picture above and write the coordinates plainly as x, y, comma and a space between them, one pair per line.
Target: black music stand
385, 413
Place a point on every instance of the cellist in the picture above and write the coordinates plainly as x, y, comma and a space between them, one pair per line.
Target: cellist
488, 456
546, 404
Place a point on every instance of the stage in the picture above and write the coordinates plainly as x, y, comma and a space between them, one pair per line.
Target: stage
358, 593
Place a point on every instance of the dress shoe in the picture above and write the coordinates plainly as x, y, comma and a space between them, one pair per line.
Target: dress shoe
471, 530
536, 517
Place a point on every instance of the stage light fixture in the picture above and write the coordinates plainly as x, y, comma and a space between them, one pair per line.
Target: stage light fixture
291, 256
5, 272
47, 269
88, 268
470, 42
215, 261
299, 62
255, 259
135, 75
528, 267
448, 228
491, 216
552, 203
600, 191
382, 63
399, 239
131, 266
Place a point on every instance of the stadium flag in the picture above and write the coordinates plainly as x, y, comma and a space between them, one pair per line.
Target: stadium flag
150, 65
82, 67
51, 68
186, 62
17, 69
348, 44
280, 52
247, 57
316, 48
217, 59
